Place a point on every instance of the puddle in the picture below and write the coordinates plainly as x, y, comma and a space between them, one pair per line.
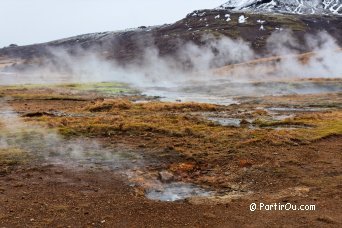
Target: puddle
170, 189
231, 122
174, 95
228, 120
6, 113
293, 109
271, 117
278, 117
177, 191
223, 91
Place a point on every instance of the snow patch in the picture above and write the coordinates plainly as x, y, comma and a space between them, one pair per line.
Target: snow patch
324, 7
242, 19
228, 17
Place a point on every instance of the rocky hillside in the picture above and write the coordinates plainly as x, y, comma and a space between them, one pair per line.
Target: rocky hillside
126, 46
326, 7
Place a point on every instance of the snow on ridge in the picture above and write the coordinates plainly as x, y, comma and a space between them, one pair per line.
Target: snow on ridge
332, 7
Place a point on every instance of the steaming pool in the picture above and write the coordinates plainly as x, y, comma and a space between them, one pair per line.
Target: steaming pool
223, 92
177, 191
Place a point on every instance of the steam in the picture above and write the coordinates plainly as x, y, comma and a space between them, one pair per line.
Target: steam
217, 63
191, 63
322, 63
49, 146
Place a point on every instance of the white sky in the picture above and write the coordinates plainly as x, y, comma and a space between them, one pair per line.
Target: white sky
34, 21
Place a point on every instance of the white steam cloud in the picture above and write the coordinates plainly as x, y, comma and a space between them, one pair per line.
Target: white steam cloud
50, 146
195, 66
323, 62
218, 59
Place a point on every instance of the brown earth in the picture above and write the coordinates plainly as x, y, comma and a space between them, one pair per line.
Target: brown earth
247, 165
43, 196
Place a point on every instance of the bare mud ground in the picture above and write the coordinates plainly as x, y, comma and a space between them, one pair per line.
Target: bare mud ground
78, 156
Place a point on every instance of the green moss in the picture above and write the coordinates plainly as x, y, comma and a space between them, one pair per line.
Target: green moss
68, 132
101, 87
46, 97
287, 122
324, 129
104, 87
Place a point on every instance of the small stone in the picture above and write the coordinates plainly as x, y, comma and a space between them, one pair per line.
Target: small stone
209, 215
166, 176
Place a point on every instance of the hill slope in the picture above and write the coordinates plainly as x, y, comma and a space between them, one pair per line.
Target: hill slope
129, 45
286, 6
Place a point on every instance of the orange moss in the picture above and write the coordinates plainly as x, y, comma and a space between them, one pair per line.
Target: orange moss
107, 105
182, 167
168, 106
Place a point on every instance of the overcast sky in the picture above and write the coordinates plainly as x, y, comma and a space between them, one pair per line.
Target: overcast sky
34, 21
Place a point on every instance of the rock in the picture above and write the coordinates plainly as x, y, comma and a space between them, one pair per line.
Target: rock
169, 149
244, 122
166, 176
245, 164
209, 215
326, 219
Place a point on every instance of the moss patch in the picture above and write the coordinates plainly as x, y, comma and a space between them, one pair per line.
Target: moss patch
9, 158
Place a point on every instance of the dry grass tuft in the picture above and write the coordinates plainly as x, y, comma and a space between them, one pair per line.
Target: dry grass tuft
189, 106
9, 158
107, 105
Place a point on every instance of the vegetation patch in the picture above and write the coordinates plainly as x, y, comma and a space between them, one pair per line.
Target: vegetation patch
107, 105
101, 87
9, 158
65, 91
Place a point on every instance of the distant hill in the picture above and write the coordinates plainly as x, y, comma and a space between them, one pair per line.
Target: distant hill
254, 25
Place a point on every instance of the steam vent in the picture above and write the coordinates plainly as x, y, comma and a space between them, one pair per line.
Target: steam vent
171, 114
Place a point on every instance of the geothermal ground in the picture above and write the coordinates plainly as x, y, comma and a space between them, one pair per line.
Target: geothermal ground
106, 154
